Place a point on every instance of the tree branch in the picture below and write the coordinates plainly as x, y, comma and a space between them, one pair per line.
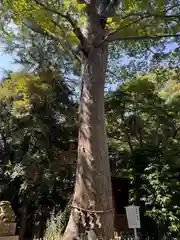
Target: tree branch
66, 16
37, 28
109, 8
34, 27
161, 14
170, 8
115, 36
31, 24
141, 16
174, 136
75, 49
155, 15
129, 142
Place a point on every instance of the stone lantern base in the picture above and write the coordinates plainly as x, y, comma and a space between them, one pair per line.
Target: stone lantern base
9, 238
7, 231
7, 228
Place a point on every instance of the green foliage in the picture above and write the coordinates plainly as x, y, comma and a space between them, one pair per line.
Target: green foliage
39, 137
56, 224
143, 125
131, 18
161, 186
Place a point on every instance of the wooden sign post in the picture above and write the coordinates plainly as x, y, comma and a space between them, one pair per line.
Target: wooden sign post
133, 218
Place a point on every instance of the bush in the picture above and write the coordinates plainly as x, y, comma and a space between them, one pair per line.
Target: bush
56, 224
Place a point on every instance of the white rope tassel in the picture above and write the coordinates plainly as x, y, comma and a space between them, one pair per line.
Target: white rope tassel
91, 222
78, 238
98, 220
83, 219
88, 219
77, 213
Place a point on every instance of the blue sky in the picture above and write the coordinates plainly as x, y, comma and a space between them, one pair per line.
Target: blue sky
6, 63
6, 60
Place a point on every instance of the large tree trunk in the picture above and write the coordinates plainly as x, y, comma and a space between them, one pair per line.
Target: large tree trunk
92, 212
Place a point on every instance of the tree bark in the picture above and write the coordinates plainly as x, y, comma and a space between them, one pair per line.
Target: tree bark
92, 211
23, 220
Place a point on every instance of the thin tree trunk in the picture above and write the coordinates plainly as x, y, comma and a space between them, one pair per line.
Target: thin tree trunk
92, 210
23, 220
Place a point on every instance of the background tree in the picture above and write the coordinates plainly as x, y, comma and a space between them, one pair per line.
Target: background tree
143, 125
32, 169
